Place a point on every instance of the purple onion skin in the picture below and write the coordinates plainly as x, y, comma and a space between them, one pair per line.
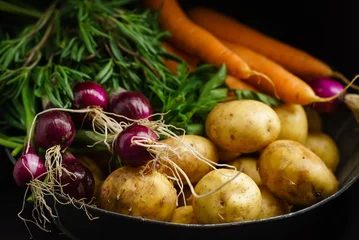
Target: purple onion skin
326, 87
54, 128
132, 154
131, 104
28, 167
79, 185
89, 94
69, 158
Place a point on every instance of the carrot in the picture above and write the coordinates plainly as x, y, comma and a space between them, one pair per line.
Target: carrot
293, 59
192, 61
237, 84
288, 87
189, 59
195, 40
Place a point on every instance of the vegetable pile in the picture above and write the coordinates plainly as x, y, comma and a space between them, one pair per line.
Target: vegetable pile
141, 108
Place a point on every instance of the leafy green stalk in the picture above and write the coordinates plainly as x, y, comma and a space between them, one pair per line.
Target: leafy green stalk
8, 7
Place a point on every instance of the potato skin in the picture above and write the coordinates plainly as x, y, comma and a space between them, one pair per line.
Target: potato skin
128, 191
186, 160
244, 126
249, 167
185, 215
272, 206
239, 200
294, 122
294, 173
325, 147
314, 120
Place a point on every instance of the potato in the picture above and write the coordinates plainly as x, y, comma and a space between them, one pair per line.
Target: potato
248, 166
272, 205
314, 120
194, 168
294, 173
184, 214
238, 200
129, 190
325, 147
242, 126
293, 121
225, 156
97, 173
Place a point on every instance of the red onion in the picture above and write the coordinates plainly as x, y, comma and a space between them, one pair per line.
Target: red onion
130, 153
28, 167
326, 87
69, 158
131, 104
80, 184
54, 128
89, 94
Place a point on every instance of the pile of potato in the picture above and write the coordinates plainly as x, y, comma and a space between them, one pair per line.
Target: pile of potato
255, 162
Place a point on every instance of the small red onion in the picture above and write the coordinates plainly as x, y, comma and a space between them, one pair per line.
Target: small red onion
69, 158
131, 104
130, 153
54, 128
89, 94
326, 87
80, 184
28, 167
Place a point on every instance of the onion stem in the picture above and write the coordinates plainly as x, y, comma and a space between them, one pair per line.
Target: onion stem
28, 107
11, 8
9, 144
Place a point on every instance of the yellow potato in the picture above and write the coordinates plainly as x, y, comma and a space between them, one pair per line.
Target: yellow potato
184, 157
314, 120
244, 126
272, 205
325, 147
239, 200
248, 165
293, 121
132, 191
185, 215
294, 173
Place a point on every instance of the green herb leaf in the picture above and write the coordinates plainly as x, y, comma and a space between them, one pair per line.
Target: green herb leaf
248, 94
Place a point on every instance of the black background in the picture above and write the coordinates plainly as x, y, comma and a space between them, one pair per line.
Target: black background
326, 29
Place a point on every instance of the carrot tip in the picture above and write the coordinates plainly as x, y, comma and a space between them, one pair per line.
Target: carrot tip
269, 80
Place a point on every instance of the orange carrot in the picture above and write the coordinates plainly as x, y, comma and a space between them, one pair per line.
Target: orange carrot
237, 84
295, 60
288, 87
189, 59
195, 40
192, 61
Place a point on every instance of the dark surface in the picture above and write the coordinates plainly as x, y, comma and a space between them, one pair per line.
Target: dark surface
328, 30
